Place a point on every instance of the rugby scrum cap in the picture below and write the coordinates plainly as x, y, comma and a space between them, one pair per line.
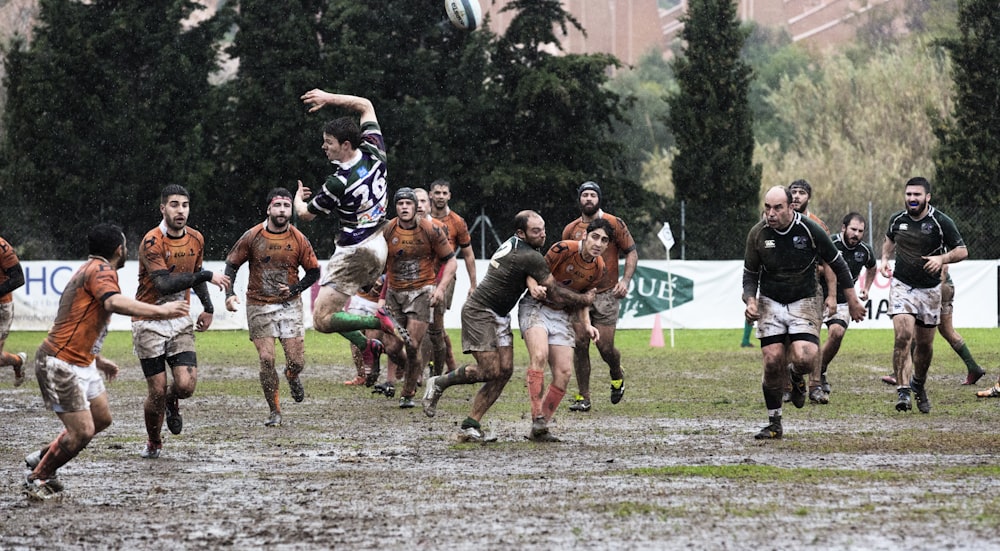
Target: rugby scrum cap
801, 184
589, 186
404, 193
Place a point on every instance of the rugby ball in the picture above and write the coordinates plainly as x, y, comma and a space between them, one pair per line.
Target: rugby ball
464, 14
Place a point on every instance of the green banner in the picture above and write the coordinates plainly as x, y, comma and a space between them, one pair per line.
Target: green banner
652, 291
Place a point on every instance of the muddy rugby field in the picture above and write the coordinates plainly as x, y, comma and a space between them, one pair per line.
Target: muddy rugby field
674, 465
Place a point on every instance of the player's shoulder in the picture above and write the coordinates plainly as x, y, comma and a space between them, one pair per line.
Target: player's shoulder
616, 221
195, 235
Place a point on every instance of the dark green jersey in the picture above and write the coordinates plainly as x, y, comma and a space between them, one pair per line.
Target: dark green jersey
505, 279
933, 234
783, 263
861, 256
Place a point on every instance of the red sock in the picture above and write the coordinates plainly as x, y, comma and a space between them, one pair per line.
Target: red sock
6, 358
551, 402
56, 457
536, 387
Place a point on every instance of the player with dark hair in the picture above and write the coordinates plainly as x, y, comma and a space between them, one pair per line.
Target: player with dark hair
461, 242
923, 240
68, 363
357, 194
11, 278
610, 291
859, 255
486, 330
170, 267
547, 326
275, 250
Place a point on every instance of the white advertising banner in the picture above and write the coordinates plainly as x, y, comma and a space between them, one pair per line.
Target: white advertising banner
704, 295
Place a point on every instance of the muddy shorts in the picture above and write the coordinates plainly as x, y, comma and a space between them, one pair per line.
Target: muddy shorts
353, 266
280, 321
155, 338
923, 304
604, 310
414, 304
531, 313
6, 320
360, 306
797, 318
483, 330
66, 387
841, 317
947, 298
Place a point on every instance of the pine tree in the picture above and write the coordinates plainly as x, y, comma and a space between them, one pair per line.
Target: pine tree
713, 171
968, 158
105, 108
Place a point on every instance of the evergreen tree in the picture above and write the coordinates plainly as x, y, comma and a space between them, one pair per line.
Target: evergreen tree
266, 138
552, 122
713, 171
968, 158
105, 108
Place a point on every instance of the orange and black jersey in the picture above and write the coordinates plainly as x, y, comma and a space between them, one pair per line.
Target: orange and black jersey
274, 260
11, 276
414, 254
569, 268
458, 230
162, 255
621, 243
82, 320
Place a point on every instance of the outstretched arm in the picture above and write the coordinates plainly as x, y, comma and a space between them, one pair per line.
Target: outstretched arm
316, 99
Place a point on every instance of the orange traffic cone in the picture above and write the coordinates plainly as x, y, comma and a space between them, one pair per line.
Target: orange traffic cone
656, 338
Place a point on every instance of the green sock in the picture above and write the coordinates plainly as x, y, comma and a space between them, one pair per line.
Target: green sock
357, 338
747, 328
342, 322
963, 352
470, 422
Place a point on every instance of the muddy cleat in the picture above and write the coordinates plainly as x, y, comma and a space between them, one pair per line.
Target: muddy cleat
274, 420
387, 389
889, 380
580, 404
817, 396
174, 421
798, 394
540, 431
431, 396
406, 402
970, 379
824, 384
391, 326
471, 434
370, 356
617, 390
40, 490
920, 393
357, 381
992, 392
771, 432
19, 369
295, 386
151, 451
903, 403
33, 459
